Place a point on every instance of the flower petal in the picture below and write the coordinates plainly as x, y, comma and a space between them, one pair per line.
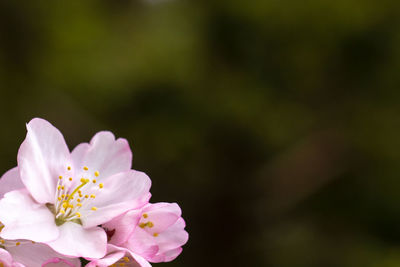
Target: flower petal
38, 255
25, 219
42, 157
121, 192
104, 154
75, 241
124, 256
6, 258
123, 226
10, 181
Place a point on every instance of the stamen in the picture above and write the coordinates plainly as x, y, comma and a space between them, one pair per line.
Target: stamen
69, 168
85, 168
96, 173
101, 185
145, 215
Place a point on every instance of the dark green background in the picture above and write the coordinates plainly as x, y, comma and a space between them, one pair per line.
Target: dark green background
274, 124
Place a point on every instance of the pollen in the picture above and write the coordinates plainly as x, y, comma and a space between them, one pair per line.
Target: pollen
94, 208
93, 196
94, 181
155, 234
85, 168
70, 178
79, 205
78, 200
126, 259
62, 211
69, 168
86, 196
150, 224
78, 214
60, 177
101, 185
96, 173
145, 215
18, 243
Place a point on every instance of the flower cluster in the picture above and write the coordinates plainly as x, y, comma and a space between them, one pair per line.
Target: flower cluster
57, 206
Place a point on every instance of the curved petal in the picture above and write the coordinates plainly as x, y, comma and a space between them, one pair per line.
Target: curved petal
104, 154
163, 215
25, 219
175, 236
123, 226
10, 181
120, 257
6, 258
38, 255
121, 192
75, 241
42, 157
113, 255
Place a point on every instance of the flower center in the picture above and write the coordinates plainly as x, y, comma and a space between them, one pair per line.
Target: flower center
145, 223
72, 200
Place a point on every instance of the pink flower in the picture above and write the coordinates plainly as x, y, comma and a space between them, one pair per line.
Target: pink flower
156, 232
67, 195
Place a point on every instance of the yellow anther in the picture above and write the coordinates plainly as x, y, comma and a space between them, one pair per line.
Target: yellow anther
78, 214
94, 208
59, 187
145, 215
94, 181
126, 259
62, 187
101, 185
150, 224
63, 195
96, 173
70, 178
65, 204
83, 180
78, 200
79, 205
155, 234
121, 264
69, 168
142, 225
60, 177
2, 241
70, 206
85, 168
33, 242
93, 196
59, 198
86, 196
79, 191
62, 211
18, 243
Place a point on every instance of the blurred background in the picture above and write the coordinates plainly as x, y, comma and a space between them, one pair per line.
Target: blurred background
274, 124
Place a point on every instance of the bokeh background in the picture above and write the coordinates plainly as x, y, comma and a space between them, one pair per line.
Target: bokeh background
274, 124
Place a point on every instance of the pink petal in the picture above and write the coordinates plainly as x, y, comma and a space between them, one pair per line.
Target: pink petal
121, 192
75, 241
6, 258
25, 219
37, 255
57, 262
104, 154
10, 181
163, 215
175, 236
115, 254
123, 226
42, 157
